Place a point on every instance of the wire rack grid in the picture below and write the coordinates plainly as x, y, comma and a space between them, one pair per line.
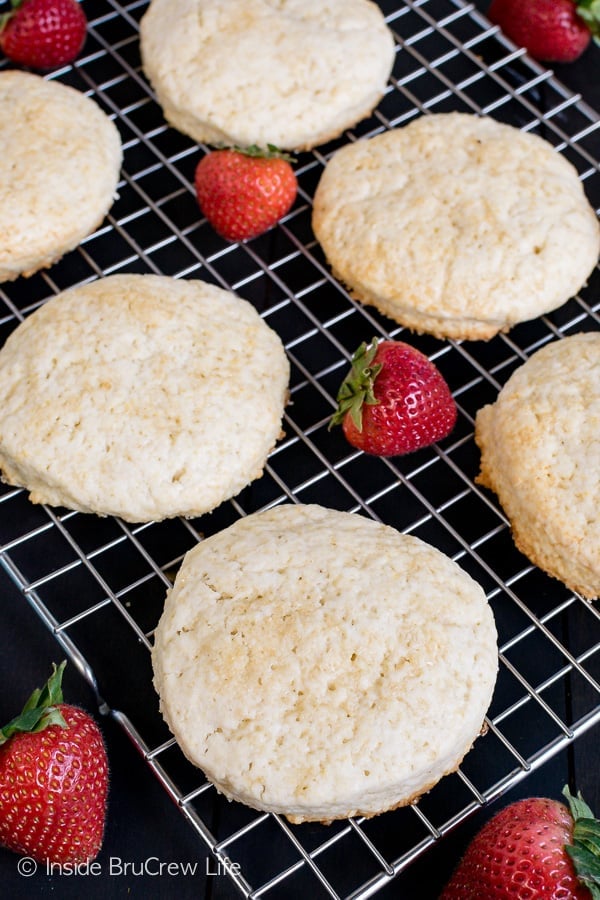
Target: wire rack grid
99, 584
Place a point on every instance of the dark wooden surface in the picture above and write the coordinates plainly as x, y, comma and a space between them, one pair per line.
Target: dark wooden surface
142, 823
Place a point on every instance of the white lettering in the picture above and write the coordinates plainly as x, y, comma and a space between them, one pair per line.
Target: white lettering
89, 867
152, 871
221, 867
187, 868
115, 865
151, 866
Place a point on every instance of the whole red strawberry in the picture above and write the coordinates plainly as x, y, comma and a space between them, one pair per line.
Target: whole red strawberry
43, 34
394, 400
550, 30
532, 848
244, 192
53, 780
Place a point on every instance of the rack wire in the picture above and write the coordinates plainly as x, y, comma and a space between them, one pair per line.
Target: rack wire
99, 584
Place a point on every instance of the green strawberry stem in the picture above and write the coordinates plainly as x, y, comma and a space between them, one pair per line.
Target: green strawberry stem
357, 387
257, 152
585, 849
41, 710
7, 16
589, 11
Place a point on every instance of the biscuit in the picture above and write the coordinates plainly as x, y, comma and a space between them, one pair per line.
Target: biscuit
540, 453
456, 225
140, 396
293, 73
61, 156
319, 664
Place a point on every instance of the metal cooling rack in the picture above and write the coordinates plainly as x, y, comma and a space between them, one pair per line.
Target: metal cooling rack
99, 584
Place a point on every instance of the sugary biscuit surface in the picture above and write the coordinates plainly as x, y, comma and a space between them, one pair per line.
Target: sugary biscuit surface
140, 396
293, 73
456, 225
61, 156
318, 664
540, 453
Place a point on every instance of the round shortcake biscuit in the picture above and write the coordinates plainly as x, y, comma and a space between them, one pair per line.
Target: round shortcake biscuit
319, 664
540, 453
61, 156
456, 225
293, 73
140, 396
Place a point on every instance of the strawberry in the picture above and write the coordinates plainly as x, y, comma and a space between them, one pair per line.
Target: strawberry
394, 400
244, 192
53, 779
43, 34
550, 30
532, 848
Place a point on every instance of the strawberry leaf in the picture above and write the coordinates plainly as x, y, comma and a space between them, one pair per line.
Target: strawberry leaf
586, 867
257, 152
7, 16
357, 388
51, 694
589, 11
40, 710
585, 849
577, 805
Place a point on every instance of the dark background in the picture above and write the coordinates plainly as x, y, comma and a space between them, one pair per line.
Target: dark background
142, 822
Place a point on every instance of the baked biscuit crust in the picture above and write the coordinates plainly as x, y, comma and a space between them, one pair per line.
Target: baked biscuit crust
321, 68
456, 225
540, 453
140, 396
319, 664
61, 157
